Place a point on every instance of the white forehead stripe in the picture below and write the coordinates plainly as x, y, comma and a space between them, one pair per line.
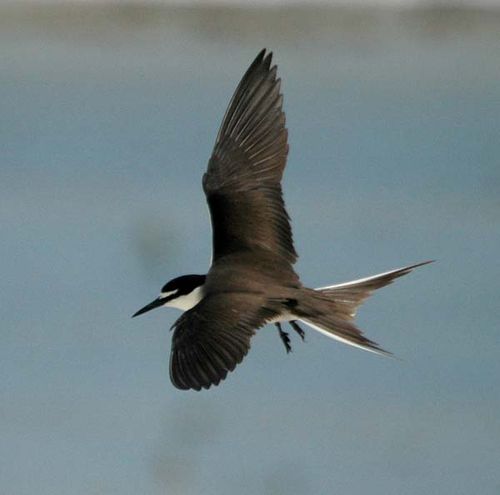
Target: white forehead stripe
169, 293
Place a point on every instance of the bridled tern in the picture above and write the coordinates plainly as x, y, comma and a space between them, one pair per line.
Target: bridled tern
251, 281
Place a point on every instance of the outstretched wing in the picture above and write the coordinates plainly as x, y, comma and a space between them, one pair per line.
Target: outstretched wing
242, 182
213, 337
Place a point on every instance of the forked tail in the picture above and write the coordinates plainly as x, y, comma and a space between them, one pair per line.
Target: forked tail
337, 305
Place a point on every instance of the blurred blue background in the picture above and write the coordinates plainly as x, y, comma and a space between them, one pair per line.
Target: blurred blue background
108, 117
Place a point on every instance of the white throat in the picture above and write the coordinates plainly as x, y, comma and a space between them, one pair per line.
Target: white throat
187, 301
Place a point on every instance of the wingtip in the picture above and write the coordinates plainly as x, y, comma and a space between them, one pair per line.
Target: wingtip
267, 61
260, 56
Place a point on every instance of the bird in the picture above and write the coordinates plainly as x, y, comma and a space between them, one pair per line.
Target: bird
251, 281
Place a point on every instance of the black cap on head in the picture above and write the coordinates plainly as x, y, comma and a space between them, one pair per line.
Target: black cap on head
184, 285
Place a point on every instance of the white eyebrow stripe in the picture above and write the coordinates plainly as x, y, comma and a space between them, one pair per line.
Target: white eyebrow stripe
166, 294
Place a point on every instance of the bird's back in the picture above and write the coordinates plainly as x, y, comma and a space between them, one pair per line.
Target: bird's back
252, 271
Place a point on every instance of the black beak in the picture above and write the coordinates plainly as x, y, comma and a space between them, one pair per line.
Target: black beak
155, 304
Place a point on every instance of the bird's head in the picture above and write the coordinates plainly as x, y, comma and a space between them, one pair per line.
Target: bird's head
181, 293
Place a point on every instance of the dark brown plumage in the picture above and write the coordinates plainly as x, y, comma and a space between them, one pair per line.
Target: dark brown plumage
252, 236
243, 179
252, 281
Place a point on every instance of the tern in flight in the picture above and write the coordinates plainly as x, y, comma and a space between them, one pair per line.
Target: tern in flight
251, 280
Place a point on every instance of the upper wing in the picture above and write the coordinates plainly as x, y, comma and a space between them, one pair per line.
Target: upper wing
242, 182
213, 337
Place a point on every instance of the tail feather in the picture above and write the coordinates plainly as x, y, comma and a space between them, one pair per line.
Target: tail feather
340, 303
345, 332
350, 295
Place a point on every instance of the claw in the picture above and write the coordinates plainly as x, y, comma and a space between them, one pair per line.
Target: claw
299, 330
284, 337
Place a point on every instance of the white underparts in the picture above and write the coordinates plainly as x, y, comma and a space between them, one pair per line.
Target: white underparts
282, 318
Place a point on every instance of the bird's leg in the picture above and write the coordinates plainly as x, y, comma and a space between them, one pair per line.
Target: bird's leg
284, 337
299, 330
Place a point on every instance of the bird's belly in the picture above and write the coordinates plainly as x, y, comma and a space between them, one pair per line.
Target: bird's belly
282, 317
